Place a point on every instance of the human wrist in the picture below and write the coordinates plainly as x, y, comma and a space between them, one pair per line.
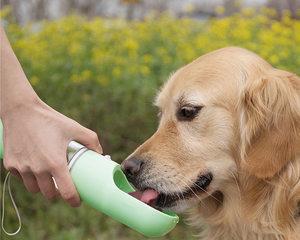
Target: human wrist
13, 104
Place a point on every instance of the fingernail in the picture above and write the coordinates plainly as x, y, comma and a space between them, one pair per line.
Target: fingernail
99, 149
76, 205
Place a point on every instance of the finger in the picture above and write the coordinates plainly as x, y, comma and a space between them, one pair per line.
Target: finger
46, 185
89, 139
66, 187
15, 173
30, 182
9, 166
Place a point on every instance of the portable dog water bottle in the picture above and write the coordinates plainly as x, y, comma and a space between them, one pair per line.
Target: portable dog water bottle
102, 185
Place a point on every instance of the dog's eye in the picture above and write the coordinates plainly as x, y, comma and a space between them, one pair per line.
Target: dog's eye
187, 113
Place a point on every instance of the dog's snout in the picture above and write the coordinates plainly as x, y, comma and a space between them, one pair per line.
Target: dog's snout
132, 166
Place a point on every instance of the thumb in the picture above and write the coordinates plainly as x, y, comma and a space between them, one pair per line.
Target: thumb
88, 138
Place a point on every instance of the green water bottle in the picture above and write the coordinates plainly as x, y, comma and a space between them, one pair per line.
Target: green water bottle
101, 184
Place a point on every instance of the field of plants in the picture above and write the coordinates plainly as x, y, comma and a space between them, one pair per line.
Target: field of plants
105, 74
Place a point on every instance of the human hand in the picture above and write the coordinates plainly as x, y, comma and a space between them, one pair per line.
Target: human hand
35, 144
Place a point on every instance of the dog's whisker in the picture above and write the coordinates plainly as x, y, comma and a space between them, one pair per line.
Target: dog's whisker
177, 192
180, 176
236, 183
190, 189
180, 192
202, 189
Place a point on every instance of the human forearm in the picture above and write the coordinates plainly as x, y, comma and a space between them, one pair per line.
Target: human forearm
15, 88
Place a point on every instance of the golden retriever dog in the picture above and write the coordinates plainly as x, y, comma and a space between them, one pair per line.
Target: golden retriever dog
227, 149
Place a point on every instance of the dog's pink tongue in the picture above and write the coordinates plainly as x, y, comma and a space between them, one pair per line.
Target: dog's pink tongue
148, 196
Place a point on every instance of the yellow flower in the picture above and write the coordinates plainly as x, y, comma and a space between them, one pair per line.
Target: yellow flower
131, 45
106, 48
116, 72
5, 12
220, 10
74, 48
102, 80
248, 12
75, 78
147, 58
82, 77
145, 70
86, 74
274, 59
268, 12
34, 80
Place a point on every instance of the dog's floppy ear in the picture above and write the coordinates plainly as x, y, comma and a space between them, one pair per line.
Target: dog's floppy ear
270, 106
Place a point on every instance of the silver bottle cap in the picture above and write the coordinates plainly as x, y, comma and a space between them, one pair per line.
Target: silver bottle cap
74, 151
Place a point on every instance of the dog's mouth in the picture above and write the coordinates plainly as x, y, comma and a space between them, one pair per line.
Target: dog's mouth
161, 200
148, 196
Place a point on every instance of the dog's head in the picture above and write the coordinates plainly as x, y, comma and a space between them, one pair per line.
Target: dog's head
225, 113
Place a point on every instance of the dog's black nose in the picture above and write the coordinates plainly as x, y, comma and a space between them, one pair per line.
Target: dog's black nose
132, 166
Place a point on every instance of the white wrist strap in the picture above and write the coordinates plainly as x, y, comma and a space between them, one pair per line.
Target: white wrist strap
7, 182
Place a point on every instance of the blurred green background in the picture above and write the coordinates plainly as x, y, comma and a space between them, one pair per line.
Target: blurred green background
105, 72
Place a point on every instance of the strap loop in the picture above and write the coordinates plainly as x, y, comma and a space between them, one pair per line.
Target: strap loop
7, 182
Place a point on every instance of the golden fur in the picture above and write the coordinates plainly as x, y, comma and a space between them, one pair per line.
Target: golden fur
247, 135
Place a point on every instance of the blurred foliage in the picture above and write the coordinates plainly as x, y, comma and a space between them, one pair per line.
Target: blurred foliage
105, 73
